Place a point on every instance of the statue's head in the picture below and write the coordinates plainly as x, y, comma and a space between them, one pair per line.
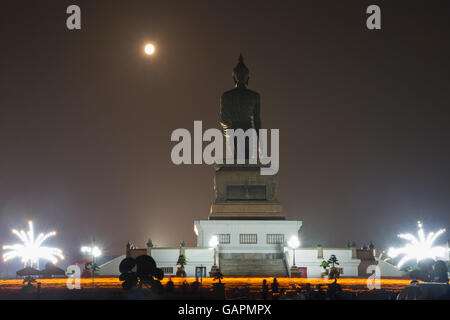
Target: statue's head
241, 74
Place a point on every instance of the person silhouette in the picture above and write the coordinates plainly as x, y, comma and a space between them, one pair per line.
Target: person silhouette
265, 289
274, 286
194, 286
184, 287
283, 295
170, 287
308, 291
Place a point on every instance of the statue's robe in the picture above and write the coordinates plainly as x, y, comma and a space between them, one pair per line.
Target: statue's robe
240, 109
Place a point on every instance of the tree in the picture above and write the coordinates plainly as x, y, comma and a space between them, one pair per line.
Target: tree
182, 260
92, 266
333, 261
324, 264
146, 274
334, 272
440, 272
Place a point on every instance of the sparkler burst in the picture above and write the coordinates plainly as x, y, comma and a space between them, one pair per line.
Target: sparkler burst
31, 249
419, 248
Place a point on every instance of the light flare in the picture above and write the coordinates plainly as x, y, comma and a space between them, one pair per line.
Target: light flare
419, 248
31, 249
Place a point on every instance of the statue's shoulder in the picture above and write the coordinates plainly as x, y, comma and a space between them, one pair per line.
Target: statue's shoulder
239, 91
253, 93
229, 92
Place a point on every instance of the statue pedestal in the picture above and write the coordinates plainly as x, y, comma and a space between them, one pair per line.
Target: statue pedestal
248, 247
243, 193
249, 222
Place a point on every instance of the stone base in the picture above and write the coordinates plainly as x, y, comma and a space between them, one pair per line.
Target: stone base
243, 193
246, 210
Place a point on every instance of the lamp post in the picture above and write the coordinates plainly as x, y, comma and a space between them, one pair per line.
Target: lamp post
293, 243
213, 243
95, 252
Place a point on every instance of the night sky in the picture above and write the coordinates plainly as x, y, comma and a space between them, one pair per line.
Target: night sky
86, 117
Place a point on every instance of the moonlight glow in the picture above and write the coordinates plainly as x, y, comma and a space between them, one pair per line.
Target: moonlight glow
418, 248
31, 249
149, 49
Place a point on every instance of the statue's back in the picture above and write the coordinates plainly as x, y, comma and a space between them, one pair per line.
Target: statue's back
240, 109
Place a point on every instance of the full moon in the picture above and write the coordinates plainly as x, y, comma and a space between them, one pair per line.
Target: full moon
149, 49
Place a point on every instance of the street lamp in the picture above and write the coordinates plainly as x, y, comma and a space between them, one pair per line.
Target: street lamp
293, 243
213, 243
95, 252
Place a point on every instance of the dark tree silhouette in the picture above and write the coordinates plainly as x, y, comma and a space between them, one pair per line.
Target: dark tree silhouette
146, 274
334, 272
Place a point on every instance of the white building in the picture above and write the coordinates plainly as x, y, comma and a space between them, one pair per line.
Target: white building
308, 260
246, 248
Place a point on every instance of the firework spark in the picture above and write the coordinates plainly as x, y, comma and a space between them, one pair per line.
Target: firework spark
419, 248
31, 249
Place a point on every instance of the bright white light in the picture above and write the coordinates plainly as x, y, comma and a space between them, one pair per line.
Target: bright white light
293, 242
213, 242
149, 49
31, 249
94, 251
195, 230
418, 248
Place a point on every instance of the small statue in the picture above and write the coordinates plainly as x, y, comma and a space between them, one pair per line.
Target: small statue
130, 246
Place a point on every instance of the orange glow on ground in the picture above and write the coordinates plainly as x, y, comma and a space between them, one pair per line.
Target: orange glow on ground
102, 283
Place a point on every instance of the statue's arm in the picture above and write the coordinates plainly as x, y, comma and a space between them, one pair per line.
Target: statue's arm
256, 112
225, 116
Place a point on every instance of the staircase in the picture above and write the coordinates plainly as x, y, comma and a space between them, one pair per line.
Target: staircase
252, 265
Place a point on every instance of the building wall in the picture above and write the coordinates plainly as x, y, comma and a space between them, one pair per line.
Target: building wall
311, 258
388, 270
205, 229
196, 257
367, 258
111, 268
166, 258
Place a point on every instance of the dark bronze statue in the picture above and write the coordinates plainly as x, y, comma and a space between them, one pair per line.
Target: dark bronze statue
239, 107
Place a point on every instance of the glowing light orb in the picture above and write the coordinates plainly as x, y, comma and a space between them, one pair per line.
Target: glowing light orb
419, 248
94, 251
149, 49
213, 242
31, 249
294, 242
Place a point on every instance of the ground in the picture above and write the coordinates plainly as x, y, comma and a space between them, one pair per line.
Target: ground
110, 288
